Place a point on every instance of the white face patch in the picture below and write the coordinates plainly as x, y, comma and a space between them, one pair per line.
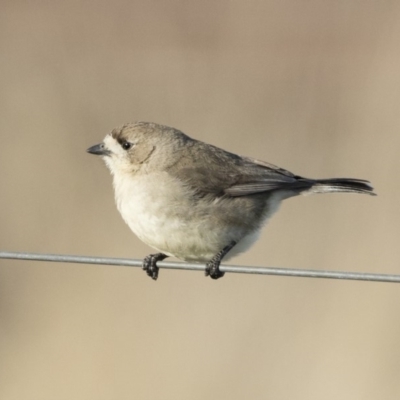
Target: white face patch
118, 161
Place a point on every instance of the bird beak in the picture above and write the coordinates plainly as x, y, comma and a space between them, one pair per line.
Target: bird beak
99, 150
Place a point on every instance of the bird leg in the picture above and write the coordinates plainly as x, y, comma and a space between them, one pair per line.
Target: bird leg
212, 267
150, 264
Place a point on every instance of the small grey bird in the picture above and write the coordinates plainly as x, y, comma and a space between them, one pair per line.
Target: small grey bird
195, 201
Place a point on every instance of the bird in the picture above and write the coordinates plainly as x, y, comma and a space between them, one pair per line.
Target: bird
194, 201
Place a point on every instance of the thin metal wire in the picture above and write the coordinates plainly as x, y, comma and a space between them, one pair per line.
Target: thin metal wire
124, 262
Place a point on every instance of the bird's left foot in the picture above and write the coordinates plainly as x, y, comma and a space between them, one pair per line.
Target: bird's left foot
212, 267
150, 264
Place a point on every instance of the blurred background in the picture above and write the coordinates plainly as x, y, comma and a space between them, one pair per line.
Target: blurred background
311, 86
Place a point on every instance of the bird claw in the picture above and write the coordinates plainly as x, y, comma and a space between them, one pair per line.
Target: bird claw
150, 264
212, 267
213, 271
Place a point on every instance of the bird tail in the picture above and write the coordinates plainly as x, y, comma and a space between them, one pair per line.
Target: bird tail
348, 185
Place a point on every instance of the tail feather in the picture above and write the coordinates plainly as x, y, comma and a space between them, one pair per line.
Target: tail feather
348, 185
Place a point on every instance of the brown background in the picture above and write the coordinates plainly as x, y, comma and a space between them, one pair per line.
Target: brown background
313, 86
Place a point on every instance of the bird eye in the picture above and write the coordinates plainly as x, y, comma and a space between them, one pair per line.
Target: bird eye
126, 145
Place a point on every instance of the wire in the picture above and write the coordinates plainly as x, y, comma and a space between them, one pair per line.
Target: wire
124, 262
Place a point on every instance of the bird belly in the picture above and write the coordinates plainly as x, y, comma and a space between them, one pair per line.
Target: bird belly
161, 212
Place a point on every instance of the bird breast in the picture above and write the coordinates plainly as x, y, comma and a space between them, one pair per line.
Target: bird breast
166, 215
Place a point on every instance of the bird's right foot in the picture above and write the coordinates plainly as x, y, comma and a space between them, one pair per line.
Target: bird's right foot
150, 264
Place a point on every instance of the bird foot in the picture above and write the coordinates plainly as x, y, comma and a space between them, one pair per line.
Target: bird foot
150, 264
212, 267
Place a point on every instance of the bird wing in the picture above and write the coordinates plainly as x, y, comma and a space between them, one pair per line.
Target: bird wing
217, 172
262, 177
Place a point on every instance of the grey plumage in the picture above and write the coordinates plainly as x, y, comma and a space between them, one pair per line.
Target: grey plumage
211, 170
193, 188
